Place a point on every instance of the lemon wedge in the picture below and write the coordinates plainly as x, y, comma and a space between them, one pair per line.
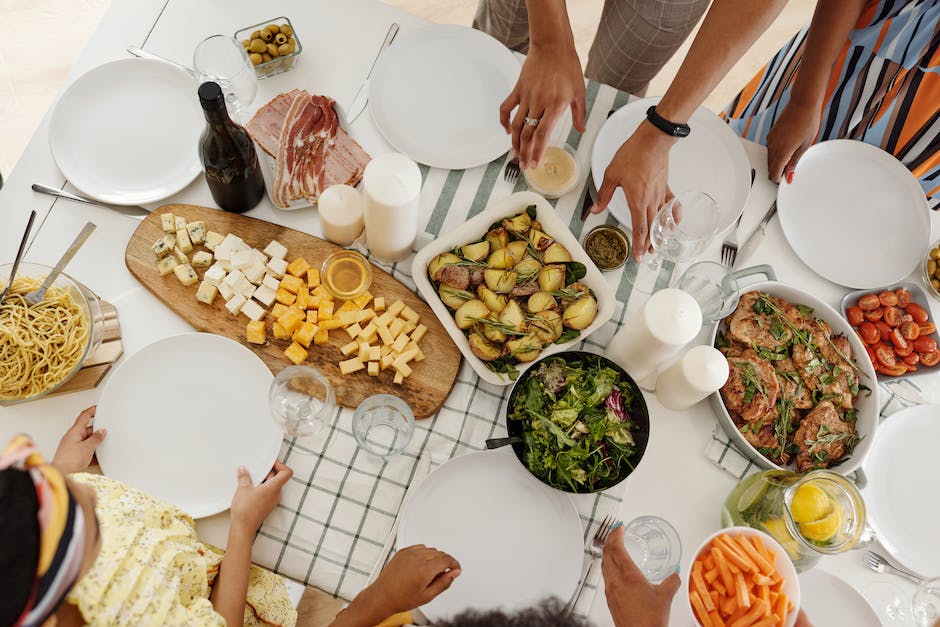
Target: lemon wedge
777, 528
825, 528
810, 503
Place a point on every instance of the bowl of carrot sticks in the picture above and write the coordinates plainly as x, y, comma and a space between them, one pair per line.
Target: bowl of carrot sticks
741, 577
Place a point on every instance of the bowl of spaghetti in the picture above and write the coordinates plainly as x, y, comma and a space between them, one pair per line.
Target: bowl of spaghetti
43, 345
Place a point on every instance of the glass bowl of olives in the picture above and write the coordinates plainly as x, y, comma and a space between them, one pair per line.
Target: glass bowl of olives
932, 270
272, 46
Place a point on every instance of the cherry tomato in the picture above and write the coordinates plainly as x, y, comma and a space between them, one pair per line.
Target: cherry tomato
904, 352
892, 316
911, 360
906, 318
928, 328
885, 356
910, 330
919, 313
854, 315
894, 371
871, 353
883, 328
904, 297
931, 358
869, 333
869, 302
888, 299
925, 344
910, 367
899, 340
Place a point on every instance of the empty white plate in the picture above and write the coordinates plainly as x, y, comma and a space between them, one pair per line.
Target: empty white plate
711, 160
827, 600
903, 472
182, 414
127, 132
435, 96
517, 540
849, 196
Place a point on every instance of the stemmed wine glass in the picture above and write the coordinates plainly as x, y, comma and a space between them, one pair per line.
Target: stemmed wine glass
221, 59
893, 609
302, 402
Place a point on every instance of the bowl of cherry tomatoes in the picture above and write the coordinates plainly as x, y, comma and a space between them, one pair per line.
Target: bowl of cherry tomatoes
895, 326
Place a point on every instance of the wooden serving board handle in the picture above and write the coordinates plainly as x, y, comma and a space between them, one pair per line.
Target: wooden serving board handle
425, 390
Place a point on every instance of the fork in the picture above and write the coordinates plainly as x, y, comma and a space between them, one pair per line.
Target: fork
729, 247
597, 549
511, 171
880, 564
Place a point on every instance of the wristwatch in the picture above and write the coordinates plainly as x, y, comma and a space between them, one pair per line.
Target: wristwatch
669, 128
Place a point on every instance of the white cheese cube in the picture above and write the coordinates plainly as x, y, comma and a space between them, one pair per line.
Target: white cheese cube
185, 273
162, 247
245, 288
183, 241
214, 275
234, 278
241, 260
277, 267
166, 265
234, 305
229, 245
224, 262
253, 310
259, 256
271, 282
264, 295
226, 290
350, 365
255, 272
180, 255
202, 259
179, 222
206, 293
213, 240
197, 231
168, 222
275, 250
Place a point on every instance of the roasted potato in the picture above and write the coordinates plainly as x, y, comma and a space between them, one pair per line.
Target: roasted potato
471, 311
500, 281
541, 301
495, 302
524, 348
482, 348
491, 331
547, 326
501, 259
528, 266
539, 240
581, 313
477, 251
452, 297
444, 259
518, 249
519, 224
551, 278
497, 238
513, 316
556, 253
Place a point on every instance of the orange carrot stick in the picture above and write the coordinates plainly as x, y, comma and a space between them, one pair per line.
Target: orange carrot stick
741, 592
702, 590
699, 608
756, 611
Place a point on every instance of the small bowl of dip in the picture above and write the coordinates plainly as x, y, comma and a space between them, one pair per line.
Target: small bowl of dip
607, 246
346, 274
556, 174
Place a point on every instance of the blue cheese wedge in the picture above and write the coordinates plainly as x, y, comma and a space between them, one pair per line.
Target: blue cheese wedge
275, 250
163, 246
253, 310
234, 305
214, 275
168, 222
202, 259
183, 241
166, 265
197, 231
264, 295
179, 222
206, 293
186, 275
213, 240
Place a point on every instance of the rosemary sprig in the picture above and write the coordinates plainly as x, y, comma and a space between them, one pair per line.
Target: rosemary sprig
502, 327
826, 436
752, 384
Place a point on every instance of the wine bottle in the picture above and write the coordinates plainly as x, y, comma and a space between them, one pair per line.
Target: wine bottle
228, 155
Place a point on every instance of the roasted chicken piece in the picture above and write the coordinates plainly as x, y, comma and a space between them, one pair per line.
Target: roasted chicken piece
762, 329
822, 438
751, 389
764, 439
792, 385
823, 367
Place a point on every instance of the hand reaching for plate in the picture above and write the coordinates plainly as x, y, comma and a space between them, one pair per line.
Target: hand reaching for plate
252, 503
789, 137
631, 598
76, 450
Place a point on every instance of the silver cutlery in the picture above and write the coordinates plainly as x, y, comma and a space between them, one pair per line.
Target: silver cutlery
19, 255
752, 241
146, 54
131, 211
880, 565
729, 247
36, 296
511, 171
361, 97
597, 550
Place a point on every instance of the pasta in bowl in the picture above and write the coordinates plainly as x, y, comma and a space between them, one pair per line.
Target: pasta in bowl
43, 345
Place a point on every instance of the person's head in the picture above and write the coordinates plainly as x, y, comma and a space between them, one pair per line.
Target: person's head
548, 613
49, 532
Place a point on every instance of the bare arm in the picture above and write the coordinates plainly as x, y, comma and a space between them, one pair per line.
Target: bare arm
231, 589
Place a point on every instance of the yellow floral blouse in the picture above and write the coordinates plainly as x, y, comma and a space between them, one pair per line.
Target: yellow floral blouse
153, 570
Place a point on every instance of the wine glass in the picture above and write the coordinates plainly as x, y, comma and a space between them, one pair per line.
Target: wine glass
223, 60
301, 401
893, 607
926, 604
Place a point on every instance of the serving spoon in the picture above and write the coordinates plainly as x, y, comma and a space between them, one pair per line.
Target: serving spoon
19, 255
36, 296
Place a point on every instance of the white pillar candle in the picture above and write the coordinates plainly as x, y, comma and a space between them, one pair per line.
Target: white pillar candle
669, 320
392, 192
697, 374
340, 208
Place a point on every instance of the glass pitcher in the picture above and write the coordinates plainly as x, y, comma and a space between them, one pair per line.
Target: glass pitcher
810, 515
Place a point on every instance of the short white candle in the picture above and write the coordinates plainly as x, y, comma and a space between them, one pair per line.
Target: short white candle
391, 187
701, 371
340, 208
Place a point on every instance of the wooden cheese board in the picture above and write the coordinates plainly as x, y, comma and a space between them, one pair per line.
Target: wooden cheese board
425, 390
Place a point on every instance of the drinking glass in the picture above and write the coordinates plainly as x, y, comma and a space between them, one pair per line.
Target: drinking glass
383, 425
926, 604
713, 287
223, 60
654, 546
301, 401
893, 608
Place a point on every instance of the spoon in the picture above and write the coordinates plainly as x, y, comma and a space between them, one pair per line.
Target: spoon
19, 255
35, 297
499, 442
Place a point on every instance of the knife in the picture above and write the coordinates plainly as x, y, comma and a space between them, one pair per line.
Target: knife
359, 100
752, 241
131, 211
146, 54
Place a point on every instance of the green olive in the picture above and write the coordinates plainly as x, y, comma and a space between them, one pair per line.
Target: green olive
280, 39
246, 44
287, 30
291, 46
265, 57
931, 266
266, 35
255, 58
272, 50
255, 35
257, 45
935, 253
936, 284
284, 50
274, 28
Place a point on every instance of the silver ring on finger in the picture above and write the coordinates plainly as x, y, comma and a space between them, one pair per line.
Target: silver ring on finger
531, 121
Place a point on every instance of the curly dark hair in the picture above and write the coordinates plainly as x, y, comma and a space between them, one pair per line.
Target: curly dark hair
547, 613
19, 550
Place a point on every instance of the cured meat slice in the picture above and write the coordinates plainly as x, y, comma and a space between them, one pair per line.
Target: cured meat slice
265, 126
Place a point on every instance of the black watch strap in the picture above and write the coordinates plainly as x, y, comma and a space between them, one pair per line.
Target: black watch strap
669, 128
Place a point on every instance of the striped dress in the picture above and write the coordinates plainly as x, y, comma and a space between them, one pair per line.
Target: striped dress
884, 88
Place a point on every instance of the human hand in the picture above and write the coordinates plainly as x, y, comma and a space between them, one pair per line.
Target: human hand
252, 503
551, 80
632, 599
641, 169
793, 132
414, 576
76, 449
802, 620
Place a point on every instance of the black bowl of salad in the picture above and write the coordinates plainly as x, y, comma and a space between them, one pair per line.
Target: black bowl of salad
582, 419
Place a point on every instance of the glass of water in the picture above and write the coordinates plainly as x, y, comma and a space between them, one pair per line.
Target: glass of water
383, 425
302, 402
654, 546
714, 288
223, 60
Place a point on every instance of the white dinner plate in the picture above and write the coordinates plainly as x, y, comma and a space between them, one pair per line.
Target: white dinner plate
517, 540
827, 600
711, 160
849, 195
182, 414
435, 96
903, 471
127, 132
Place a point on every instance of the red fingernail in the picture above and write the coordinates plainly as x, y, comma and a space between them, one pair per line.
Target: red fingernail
790, 176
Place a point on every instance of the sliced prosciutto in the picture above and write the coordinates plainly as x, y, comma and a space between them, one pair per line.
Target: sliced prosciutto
265, 126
